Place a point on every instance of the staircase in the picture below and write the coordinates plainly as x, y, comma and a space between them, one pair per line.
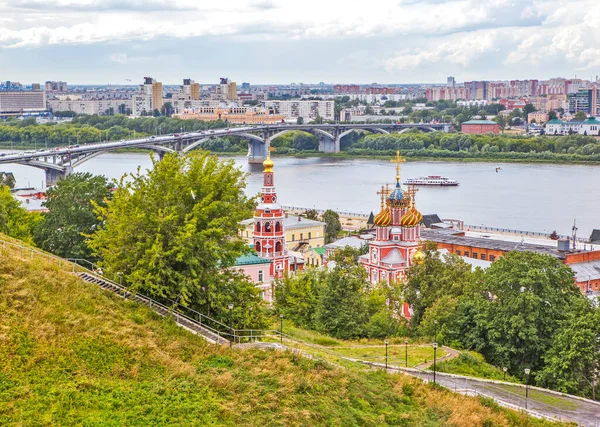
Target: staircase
182, 320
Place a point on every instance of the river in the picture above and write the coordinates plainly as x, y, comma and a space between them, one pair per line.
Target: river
536, 197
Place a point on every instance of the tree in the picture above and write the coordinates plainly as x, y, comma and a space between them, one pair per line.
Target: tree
300, 120
296, 297
311, 214
173, 233
167, 109
501, 120
552, 115
529, 295
571, 362
156, 113
342, 309
554, 235
580, 115
71, 215
528, 108
332, 225
15, 221
8, 179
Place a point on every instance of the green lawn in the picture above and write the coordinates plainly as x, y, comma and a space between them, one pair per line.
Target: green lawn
473, 364
417, 354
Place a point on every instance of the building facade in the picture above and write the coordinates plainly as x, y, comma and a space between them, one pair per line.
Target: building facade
397, 233
480, 127
235, 115
15, 103
301, 234
308, 110
591, 126
148, 98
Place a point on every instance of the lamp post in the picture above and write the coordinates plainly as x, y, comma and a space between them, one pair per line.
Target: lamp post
231, 324
504, 370
120, 274
281, 328
406, 351
434, 359
527, 371
386, 354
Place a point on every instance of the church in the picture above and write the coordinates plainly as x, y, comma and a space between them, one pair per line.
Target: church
397, 233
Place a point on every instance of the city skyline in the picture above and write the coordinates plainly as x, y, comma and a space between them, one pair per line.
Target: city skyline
93, 42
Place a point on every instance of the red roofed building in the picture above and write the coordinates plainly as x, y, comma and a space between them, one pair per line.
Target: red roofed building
480, 127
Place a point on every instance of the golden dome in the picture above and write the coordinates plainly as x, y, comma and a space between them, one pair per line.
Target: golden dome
383, 218
268, 164
418, 257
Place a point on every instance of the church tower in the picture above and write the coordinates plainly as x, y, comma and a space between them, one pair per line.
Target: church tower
269, 235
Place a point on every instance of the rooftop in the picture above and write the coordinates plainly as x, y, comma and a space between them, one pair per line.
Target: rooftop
291, 222
479, 122
250, 259
352, 241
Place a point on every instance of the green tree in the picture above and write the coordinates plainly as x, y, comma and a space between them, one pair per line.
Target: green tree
552, 115
332, 225
7, 179
167, 109
528, 108
580, 115
296, 296
173, 233
528, 296
341, 308
312, 214
571, 363
71, 215
15, 221
300, 120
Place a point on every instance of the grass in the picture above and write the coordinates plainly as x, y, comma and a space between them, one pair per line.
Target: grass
396, 354
473, 364
73, 354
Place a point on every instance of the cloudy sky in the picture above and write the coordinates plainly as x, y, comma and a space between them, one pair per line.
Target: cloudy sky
283, 41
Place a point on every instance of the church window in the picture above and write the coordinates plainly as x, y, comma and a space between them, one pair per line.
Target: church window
268, 227
278, 247
257, 246
277, 227
258, 226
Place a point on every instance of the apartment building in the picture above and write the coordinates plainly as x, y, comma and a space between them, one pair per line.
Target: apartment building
308, 110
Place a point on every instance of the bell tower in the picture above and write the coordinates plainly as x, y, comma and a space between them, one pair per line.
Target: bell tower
269, 235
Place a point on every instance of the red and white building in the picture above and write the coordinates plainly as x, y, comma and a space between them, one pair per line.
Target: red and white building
397, 235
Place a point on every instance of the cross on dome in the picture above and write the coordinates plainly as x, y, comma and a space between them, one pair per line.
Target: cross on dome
398, 160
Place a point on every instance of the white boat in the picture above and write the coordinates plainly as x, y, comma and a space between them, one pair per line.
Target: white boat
432, 180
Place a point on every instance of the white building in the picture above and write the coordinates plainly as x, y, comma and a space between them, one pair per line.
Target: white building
308, 110
590, 126
88, 106
16, 102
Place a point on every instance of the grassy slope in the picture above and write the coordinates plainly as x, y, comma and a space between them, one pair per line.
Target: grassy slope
473, 364
72, 354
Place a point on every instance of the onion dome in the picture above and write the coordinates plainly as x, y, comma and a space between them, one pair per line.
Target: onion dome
411, 218
397, 198
418, 257
268, 164
383, 218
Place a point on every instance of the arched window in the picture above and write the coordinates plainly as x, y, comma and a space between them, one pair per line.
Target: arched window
277, 227
277, 246
268, 227
257, 246
258, 226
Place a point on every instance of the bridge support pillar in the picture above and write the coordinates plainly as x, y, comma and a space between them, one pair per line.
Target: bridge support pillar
329, 145
257, 151
53, 176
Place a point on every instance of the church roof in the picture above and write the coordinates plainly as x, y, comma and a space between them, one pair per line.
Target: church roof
250, 259
393, 257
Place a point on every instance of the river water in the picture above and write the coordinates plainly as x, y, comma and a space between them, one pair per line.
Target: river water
535, 197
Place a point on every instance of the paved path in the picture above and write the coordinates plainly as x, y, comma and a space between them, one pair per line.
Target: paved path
547, 403
450, 354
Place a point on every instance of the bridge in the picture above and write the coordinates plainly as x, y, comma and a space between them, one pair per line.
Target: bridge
60, 161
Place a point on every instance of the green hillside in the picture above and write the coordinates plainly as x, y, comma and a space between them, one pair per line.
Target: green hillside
73, 354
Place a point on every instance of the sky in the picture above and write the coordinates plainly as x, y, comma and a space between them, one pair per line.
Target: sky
307, 41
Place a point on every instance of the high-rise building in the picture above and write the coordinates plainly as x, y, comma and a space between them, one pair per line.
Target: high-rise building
585, 100
52, 86
192, 89
148, 98
226, 90
15, 103
450, 82
308, 110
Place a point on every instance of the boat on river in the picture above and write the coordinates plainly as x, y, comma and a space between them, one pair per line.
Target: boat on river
434, 180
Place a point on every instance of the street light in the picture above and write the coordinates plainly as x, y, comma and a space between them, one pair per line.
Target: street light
231, 324
406, 351
386, 354
435, 345
527, 371
281, 327
504, 370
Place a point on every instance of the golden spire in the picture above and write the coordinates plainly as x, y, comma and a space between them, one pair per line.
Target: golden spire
398, 160
268, 164
412, 191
